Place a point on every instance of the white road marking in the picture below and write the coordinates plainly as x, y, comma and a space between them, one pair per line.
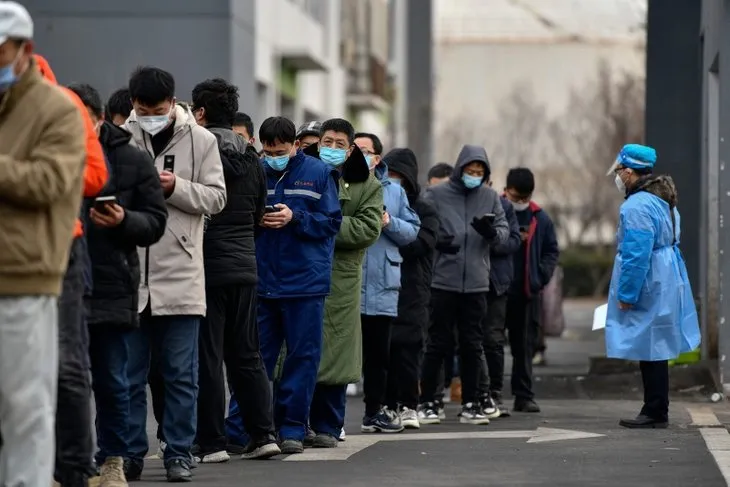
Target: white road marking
356, 444
718, 443
703, 416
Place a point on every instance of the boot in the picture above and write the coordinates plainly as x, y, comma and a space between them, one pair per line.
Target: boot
112, 473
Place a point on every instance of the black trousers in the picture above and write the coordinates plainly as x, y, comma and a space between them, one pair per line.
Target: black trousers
157, 391
520, 319
405, 359
493, 327
74, 448
375, 356
465, 312
655, 376
230, 333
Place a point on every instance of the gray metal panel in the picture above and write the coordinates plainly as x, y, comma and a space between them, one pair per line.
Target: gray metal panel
243, 52
673, 108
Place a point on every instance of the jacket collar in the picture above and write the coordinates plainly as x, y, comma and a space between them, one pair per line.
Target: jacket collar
354, 170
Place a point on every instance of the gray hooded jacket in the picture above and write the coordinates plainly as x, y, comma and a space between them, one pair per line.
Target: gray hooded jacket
468, 270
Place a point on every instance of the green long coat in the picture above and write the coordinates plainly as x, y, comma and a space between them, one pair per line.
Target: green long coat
362, 213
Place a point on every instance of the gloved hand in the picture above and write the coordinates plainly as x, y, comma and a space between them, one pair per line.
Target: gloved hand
445, 245
484, 227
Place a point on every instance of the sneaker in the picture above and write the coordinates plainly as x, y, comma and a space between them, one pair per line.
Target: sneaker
382, 422
526, 406
179, 471
209, 456
539, 360
325, 441
504, 411
112, 473
471, 413
342, 436
440, 408
489, 407
291, 447
309, 437
428, 414
235, 448
161, 449
409, 418
132, 470
261, 450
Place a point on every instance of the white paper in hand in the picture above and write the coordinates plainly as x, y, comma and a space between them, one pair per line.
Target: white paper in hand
599, 317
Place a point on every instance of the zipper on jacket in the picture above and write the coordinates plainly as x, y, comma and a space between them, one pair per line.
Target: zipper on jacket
466, 239
276, 260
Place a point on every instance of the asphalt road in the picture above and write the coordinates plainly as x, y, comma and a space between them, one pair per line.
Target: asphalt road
524, 450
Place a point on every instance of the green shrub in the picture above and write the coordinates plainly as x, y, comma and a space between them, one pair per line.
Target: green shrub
587, 270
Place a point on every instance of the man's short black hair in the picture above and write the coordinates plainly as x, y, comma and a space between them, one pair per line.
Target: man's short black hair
120, 103
377, 144
339, 125
243, 120
521, 180
149, 86
440, 171
277, 129
219, 98
90, 97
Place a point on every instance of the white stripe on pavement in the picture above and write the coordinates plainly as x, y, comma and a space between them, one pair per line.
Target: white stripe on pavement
703, 416
718, 443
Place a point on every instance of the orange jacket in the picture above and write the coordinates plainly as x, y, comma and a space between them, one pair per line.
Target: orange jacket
95, 171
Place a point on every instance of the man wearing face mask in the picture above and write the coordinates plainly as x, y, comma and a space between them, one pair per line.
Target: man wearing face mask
294, 249
473, 220
380, 288
308, 135
42, 158
651, 315
534, 264
172, 297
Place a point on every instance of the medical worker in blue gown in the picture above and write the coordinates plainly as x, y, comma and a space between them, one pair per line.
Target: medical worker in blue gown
651, 312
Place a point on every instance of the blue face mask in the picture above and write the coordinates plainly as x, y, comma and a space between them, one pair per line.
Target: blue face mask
277, 163
471, 182
395, 181
333, 157
7, 73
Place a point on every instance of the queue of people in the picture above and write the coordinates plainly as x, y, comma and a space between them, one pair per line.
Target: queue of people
148, 242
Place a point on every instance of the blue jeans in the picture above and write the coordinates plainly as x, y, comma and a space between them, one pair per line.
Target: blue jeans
175, 340
328, 409
109, 360
298, 323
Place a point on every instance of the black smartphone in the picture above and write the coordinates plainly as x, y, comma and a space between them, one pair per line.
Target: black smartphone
100, 203
169, 163
524, 229
270, 209
490, 216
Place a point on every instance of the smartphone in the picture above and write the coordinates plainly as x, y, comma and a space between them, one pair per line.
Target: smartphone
524, 229
169, 163
101, 202
490, 216
270, 209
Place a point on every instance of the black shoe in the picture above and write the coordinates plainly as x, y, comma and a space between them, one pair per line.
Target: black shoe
504, 411
179, 471
643, 422
526, 406
132, 470
309, 436
235, 448
74, 479
261, 449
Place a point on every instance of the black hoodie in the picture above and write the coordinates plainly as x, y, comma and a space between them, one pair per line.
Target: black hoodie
134, 181
228, 246
415, 293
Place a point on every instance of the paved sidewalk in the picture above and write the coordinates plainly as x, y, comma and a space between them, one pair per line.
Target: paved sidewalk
524, 450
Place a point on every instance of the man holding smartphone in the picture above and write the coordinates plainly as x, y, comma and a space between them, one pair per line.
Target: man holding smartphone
472, 219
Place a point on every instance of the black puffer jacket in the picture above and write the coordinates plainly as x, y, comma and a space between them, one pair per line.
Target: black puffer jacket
113, 251
229, 249
415, 295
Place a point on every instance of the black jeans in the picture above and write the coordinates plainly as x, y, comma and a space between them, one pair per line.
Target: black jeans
466, 312
375, 355
157, 391
230, 333
403, 374
655, 376
520, 319
493, 326
73, 414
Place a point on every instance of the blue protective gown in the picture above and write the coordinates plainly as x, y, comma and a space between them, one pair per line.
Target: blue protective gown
649, 273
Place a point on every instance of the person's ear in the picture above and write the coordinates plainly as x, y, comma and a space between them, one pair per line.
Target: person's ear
349, 152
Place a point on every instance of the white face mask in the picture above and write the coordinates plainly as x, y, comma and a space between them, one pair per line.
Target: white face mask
154, 124
619, 183
520, 206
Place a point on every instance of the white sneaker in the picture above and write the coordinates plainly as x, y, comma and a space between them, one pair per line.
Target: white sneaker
472, 414
409, 419
221, 456
427, 414
342, 436
161, 449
